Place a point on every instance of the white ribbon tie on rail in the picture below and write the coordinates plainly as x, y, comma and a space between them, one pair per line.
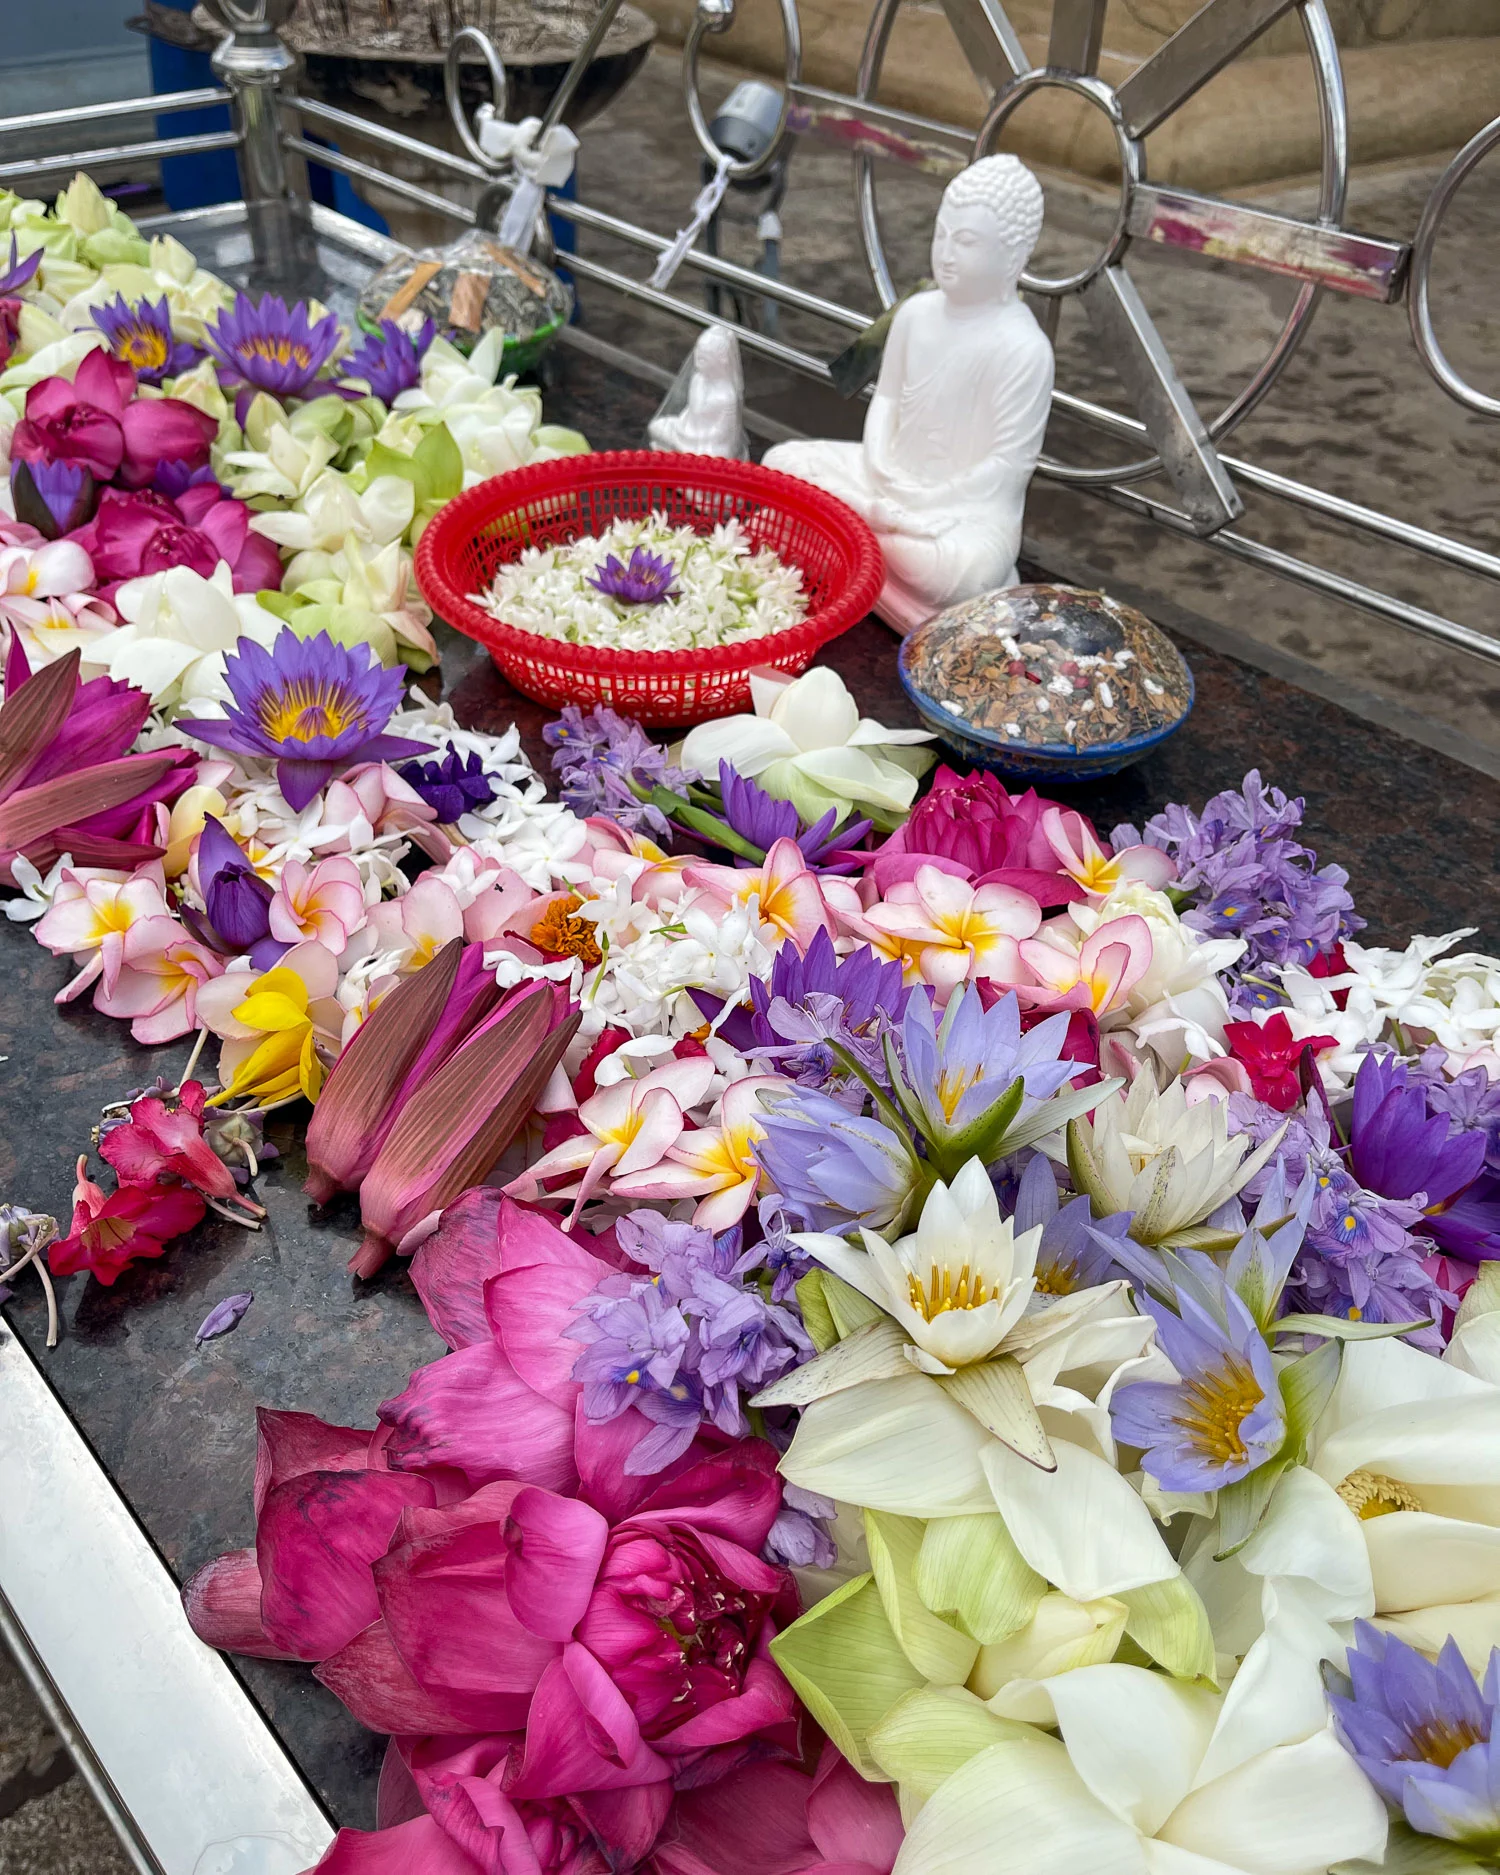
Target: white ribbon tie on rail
538, 167
708, 199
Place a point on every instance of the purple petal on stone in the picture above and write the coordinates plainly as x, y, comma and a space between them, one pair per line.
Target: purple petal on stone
223, 1317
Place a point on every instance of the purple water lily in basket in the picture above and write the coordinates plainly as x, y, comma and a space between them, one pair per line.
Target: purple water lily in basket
312, 706
389, 361
271, 346
1424, 1733
646, 578
141, 336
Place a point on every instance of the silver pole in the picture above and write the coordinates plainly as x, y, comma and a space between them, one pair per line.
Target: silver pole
253, 62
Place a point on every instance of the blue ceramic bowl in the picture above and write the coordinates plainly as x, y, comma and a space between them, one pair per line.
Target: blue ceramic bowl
1064, 631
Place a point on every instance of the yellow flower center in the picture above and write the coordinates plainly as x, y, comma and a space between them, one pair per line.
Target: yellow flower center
945, 1291
1371, 1494
562, 933
952, 1085
277, 351
143, 346
1214, 1407
303, 711
1057, 1279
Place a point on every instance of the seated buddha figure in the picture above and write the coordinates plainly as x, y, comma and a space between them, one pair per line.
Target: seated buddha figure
956, 423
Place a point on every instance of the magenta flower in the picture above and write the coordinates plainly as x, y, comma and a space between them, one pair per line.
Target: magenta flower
79, 422
271, 347
110, 1230
972, 826
389, 361
311, 706
647, 578
146, 531
141, 337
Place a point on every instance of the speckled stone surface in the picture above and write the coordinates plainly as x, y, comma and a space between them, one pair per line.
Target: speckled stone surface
175, 1425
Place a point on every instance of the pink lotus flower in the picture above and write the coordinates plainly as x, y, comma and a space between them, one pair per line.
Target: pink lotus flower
98, 422
629, 1127
1081, 857
324, 903
156, 987
111, 1230
142, 532
1099, 975
485, 1564
785, 885
946, 931
66, 782
982, 833
90, 913
716, 1165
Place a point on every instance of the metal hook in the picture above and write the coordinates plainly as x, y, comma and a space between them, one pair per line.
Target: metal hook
499, 90
717, 16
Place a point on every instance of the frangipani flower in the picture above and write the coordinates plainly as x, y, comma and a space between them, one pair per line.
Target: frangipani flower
1177, 1006
1081, 857
156, 985
324, 903
46, 598
785, 887
807, 744
273, 1025
1098, 976
715, 1164
90, 913
947, 931
1171, 1163
956, 1286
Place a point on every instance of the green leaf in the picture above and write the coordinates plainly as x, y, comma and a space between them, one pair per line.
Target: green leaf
1337, 1328
937, 1649
1168, 1620
848, 1668
969, 1567
874, 1352
929, 1734
817, 1318
1242, 1505
849, 1309
981, 1138
997, 1395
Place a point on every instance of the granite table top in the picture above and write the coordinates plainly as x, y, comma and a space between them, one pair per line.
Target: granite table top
174, 1425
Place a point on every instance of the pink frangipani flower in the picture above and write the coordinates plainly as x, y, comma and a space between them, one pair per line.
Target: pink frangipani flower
91, 912
946, 930
1081, 857
784, 884
324, 903
716, 1164
1099, 975
156, 987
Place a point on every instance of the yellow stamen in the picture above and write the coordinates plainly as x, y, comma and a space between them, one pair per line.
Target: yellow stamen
145, 347
943, 1293
305, 710
562, 933
1215, 1406
1371, 1494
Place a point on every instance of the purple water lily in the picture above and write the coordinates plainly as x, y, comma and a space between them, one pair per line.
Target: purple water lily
389, 361
19, 273
450, 784
141, 337
272, 347
1076, 1252
1404, 1150
1224, 1416
1424, 1733
815, 998
646, 578
236, 898
955, 1072
762, 819
836, 1171
54, 497
312, 706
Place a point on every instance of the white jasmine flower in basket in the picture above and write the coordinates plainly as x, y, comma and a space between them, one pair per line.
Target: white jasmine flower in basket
649, 586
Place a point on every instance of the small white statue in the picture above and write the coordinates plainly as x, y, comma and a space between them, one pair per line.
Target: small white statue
711, 422
956, 423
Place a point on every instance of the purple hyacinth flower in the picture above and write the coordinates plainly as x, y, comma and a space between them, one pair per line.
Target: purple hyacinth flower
957, 1071
223, 1317
236, 898
449, 784
598, 755
54, 497
644, 580
312, 706
1424, 1733
799, 1538
141, 337
1224, 1416
19, 273
389, 361
272, 347
836, 1171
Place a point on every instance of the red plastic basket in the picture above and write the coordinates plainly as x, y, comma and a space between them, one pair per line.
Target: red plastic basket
559, 501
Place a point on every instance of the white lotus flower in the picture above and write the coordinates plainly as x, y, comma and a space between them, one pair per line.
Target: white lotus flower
1150, 1776
1172, 1164
956, 1285
177, 628
497, 427
808, 744
331, 511
286, 467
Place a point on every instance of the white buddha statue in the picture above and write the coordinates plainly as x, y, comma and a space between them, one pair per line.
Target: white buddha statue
711, 421
956, 423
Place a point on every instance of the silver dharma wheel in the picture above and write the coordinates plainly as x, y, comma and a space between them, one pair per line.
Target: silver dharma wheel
1318, 253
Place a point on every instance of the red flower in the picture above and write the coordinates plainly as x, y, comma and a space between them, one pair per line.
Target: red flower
110, 1232
1270, 1054
1332, 964
161, 1142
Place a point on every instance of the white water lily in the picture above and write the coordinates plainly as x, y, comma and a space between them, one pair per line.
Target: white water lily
1150, 1776
1178, 1008
1172, 1164
1396, 1515
497, 427
286, 466
957, 1284
330, 511
808, 744
176, 629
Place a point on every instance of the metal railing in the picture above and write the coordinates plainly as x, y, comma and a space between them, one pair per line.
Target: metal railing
1168, 436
